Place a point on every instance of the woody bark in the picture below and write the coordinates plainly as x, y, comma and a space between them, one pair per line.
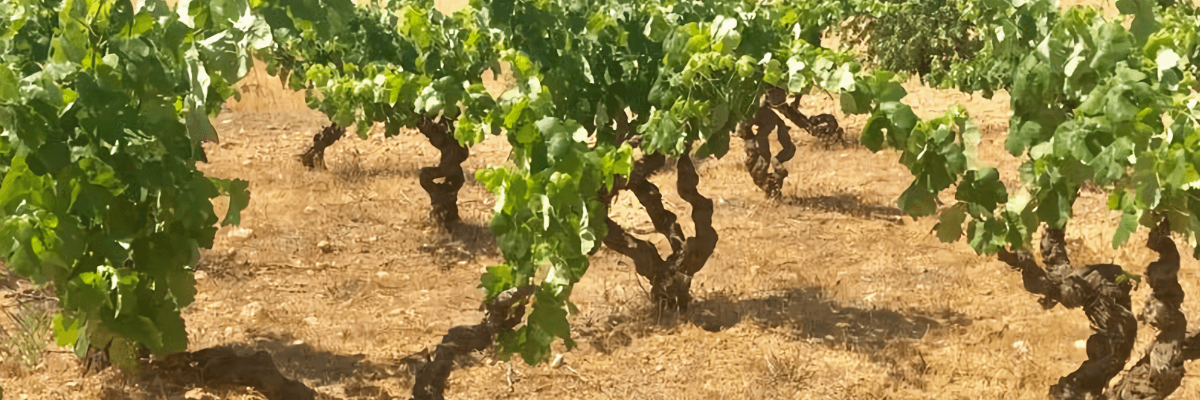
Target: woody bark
670, 278
1106, 303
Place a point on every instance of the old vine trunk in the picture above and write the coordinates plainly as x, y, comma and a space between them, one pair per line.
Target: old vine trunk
441, 182
670, 278
314, 156
768, 172
443, 195
1159, 372
1107, 305
434, 367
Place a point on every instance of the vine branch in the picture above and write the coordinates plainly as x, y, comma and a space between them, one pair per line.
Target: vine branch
1160, 370
1106, 303
503, 313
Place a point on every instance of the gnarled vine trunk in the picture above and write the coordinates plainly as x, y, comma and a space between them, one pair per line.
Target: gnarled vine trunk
1159, 372
767, 171
1108, 306
443, 196
1106, 303
314, 156
670, 278
822, 126
434, 367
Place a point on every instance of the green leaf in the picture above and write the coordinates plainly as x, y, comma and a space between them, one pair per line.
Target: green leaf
658, 28
1127, 276
1115, 200
901, 117
982, 187
872, 135
66, 330
1119, 108
1114, 44
239, 198
1149, 189
550, 317
850, 105
892, 92
199, 128
1166, 59
1054, 207
949, 226
917, 201
496, 280
1128, 225
8, 85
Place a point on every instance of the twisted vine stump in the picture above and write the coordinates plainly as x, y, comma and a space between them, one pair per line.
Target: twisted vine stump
670, 278
441, 182
1106, 303
767, 171
443, 195
1159, 372
314, 156
434, 367
824, 127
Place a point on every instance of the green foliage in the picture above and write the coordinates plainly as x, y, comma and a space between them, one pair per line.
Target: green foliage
935, 151
917, 36
1093, 102
101, 109
401, 67
1009, 31
687, 72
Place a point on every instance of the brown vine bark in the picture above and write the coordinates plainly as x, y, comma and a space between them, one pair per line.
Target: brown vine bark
670, 278
1105, 302
644, 254
314, 156
443, 196
1159, 372
503, 313
767, 172
823, 126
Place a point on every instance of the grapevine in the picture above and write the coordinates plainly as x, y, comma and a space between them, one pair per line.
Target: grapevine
664, 78
406, 69
1090, 102
102, 109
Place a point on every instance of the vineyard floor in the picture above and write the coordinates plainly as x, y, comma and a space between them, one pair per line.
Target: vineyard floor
825, 294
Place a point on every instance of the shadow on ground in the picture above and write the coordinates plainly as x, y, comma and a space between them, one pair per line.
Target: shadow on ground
844, 203
801, 314
353, 172
475, 239
352, 375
